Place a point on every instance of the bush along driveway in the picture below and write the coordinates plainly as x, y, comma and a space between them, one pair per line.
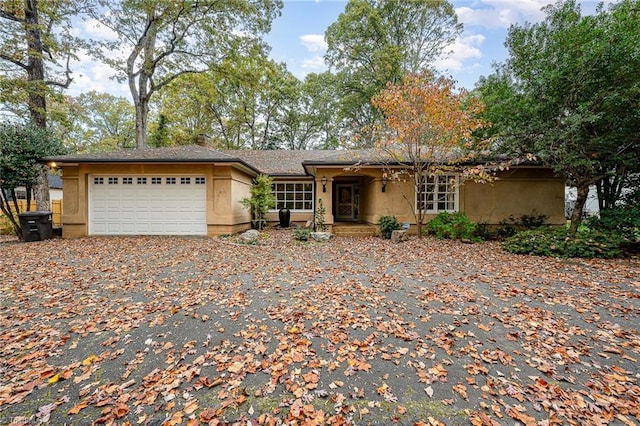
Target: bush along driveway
187, 331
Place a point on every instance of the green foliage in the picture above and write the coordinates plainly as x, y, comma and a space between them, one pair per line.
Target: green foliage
453, 226
388, 224
568, 93
36, 41
261, 200
624, 221
484, 231
159, 136
250, 102
560, 242
621, 219
171, 39
375, 42
509, 227
301, 234
94, 122
318, 217
20, 148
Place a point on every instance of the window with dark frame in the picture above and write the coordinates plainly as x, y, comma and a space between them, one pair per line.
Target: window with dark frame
293, 195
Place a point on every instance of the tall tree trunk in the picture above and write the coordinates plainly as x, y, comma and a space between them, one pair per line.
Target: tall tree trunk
581, 200
37, 89
41, 190
142, 116
35, 65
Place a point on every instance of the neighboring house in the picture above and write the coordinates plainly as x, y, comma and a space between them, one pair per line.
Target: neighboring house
591, 207
195, 190
55, 189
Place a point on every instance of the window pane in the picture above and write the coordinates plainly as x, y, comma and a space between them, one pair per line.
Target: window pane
293, 195
440, 193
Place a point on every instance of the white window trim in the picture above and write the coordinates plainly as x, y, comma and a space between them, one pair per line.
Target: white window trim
456, 201
304, 182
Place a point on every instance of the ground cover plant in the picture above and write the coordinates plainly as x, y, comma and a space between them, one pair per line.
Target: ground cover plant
187, 331
559, 241
453, 226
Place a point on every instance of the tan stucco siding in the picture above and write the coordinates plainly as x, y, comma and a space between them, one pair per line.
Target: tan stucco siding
226, 186
225, 213
515, 193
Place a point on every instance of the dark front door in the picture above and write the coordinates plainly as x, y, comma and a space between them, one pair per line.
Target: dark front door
347, 202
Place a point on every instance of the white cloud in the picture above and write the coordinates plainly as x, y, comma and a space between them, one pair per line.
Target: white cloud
314, 42
89, 74
94, 29
502, 13
465, 48
315, 64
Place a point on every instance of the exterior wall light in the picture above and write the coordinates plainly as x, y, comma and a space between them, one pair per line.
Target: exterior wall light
324, 183
384, 182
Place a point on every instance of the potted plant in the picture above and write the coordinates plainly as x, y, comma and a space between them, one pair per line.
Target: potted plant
261, 201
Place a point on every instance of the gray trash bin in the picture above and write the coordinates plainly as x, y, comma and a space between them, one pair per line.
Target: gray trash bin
36, 226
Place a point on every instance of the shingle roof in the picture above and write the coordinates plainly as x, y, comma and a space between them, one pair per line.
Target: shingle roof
271, 162
280, 162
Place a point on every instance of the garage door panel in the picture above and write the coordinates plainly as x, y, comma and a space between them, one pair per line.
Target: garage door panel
147, 205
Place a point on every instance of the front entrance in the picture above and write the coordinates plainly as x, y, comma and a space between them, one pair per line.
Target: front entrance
347, 202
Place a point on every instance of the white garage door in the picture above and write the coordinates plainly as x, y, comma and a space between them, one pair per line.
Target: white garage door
147, 205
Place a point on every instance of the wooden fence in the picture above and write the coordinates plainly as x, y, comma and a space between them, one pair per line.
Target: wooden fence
56, 209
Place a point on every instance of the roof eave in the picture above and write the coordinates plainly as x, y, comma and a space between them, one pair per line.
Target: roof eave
76, 161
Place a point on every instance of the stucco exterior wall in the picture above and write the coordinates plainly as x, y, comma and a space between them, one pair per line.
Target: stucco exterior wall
225, 187
517, 192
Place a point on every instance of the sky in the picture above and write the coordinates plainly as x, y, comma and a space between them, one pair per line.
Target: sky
297, 38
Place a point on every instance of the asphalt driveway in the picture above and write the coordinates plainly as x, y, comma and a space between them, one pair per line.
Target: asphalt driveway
185, 331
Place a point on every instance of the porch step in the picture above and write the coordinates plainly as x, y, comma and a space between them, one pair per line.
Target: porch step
355, 230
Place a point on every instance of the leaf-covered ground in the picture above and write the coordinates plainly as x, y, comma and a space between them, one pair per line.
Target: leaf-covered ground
187, 331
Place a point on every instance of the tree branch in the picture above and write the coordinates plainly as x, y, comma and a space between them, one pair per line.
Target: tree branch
14, 61
155, 88
67, 74
6, 15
